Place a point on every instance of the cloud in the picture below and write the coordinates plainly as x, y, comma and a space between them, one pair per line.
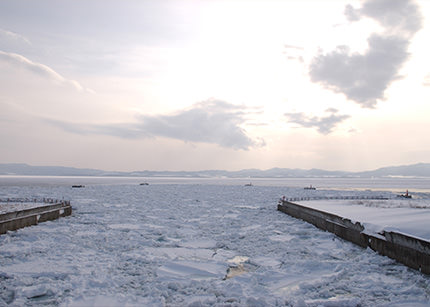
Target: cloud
125, 131
43, 71
293, 47
351, 13
13, 37
294, 53
212, 121
363, 78
394, 15
324, 124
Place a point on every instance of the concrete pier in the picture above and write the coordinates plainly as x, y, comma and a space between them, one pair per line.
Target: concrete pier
412, 252
18, 219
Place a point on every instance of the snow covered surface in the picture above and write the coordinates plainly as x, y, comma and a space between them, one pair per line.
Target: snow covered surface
193, 243
407, 216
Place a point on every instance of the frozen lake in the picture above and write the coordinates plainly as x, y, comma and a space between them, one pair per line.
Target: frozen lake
197, 242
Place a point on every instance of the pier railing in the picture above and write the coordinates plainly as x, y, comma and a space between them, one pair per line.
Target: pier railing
44, 200
359, 197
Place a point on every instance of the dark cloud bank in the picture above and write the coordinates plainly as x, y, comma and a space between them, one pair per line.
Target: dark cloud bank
363, 78
212, 121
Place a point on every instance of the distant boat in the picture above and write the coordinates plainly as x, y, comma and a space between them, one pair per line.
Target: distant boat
248, 184
406, 195
310, 188
78, 186
144, 183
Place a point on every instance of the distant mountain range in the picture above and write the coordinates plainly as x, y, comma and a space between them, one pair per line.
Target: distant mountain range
414, 170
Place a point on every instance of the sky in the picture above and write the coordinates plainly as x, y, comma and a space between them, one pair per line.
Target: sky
205, 84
